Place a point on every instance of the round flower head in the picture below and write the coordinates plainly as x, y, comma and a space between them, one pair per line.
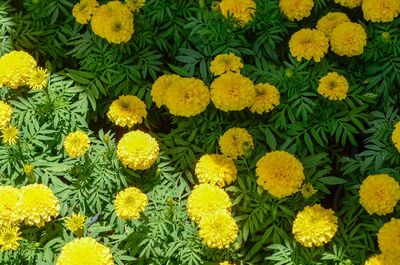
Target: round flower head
9, 212
333, 86
161, 86
330, 21
10, 135
315, 226
207, 199
309, 44
38, 204
9, 238
241, 11
188, 97
84, 10
5, 114
296, 9
223, 63
396, 136
376, 260
130, 203
307, 190
348, 39
267, 98
15, 69
37, 80
75, 223
381, 10
232, 91
218, 230
127, 111
134, 5
236, 142
349, 3
389, 241
216, 169
280, 173
76, 144
85, 251
137, 150
379, 194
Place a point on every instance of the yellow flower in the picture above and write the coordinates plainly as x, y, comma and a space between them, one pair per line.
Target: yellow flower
218, 230
5, 114
38, 204
225, 263
241, 11
76, 144
309, 44
381, 10
38, 79
348, 39
236, 142
396, 136
296, 9
15, 69
127, 111
330, 21
85, 251
267, 98
9, 238
232, 91
134, 5
376, 260
216, 169
280, 173
307, 190
137, 150
9, 212
207, 199
10, 135
161, 86
84, 10
315, 226
333, 86
28, 169
389, 241
130, 203
223, 63
75, 223
349, 3
379, 194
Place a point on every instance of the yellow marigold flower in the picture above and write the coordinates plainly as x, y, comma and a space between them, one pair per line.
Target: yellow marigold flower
15, 69
28, 169
84, 10
267, 98
188, 97
379, 194
396, 136
241, 11
349, 3
381, 10
389, 241
207, 199
134, 5
376, 260
76, 144
225, 263
137, 150
113, 21
280, 173
9, 238
38, 204
127, 111
10, 135
85, 251
296, 9
161, 86
309, 44
330, 21
333, 86
38, 78
315, 226
236, 142
75, 223
216, 169
9, 212
5, 115
223, 63
218, 230
232, 91
307, 190
130, 203
348, 39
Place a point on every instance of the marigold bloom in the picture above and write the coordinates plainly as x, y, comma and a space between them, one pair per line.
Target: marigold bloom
38, 204
9, 212
280, 173
330, 21
137, 150
307, 190
396, 136
309, 44
207, 199
348, 39
37, 79
236, 142
85, 251
223, 63
10, 135
5, 114
315, 226
127, 111
381, 10
376, 260
232, 91
389, 241
130, 203
333, 86
9, 238
76, 144
349, 3
218, 230
75, 223
15, 69
84, 10
296, 9
216, 169
225, 263
241, 11
267, 98
134, 5
161, 86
